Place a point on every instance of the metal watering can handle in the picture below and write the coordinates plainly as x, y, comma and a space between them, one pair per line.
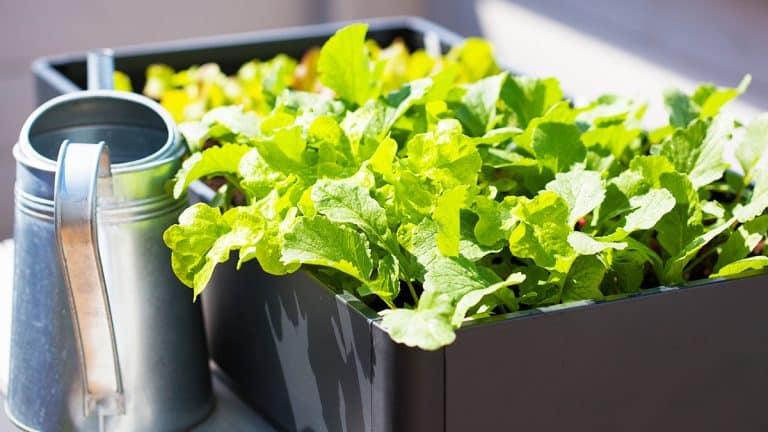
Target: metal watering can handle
82, 173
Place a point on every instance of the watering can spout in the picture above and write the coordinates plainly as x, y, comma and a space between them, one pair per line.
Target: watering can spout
101, 69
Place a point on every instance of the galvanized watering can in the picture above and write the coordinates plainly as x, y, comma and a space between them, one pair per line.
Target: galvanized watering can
103, 335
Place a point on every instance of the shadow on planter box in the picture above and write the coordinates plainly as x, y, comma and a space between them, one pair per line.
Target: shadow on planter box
311, 359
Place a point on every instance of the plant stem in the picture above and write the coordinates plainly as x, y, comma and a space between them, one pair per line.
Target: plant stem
745, 182
389, 303
413, 291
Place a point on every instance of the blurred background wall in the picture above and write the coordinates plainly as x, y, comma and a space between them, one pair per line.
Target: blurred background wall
632, 46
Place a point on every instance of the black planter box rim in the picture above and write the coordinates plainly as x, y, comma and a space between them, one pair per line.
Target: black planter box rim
46, 67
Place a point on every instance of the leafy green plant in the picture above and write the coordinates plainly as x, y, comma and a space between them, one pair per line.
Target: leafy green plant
461, 191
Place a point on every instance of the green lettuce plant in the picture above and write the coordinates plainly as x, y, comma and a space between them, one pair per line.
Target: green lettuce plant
457, 191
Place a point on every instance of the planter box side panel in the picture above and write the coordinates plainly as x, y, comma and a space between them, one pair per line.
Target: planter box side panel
408, 387
293, 350
688, 359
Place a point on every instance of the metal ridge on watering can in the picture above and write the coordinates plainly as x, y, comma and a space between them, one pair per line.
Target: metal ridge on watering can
103, 336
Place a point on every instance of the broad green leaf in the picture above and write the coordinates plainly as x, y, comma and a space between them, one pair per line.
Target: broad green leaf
682, 110
319, 241
425, 329
475, 59
345, 65
759, 201
610, 110
453, 276
709, 165
651, 168
683, 223
472, 298
558, 146
369, 124
233, 119
258, 178
383, 159
560, 112
628, 268
704, 103
529, 98
584, 279
584, 244
712, 98
495, 219
742, 266
536, 289
213, 161
754, 145
698, 150
477, 111
469, 247
500, 158
673, 268
342, 202
583, 191
648, 209
614, 138
742, 241
387, 283
447, 217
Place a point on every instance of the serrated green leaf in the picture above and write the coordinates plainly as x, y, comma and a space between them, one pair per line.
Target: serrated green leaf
319, 241
213, 161
342, 202
204, 238
542, 233
258, 178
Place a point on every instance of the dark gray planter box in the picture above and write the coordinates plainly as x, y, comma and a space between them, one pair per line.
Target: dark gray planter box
311, 359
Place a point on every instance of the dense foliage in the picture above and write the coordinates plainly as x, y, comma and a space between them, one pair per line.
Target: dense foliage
441, 189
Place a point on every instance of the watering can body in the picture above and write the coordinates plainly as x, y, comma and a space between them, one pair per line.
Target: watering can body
103, 336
